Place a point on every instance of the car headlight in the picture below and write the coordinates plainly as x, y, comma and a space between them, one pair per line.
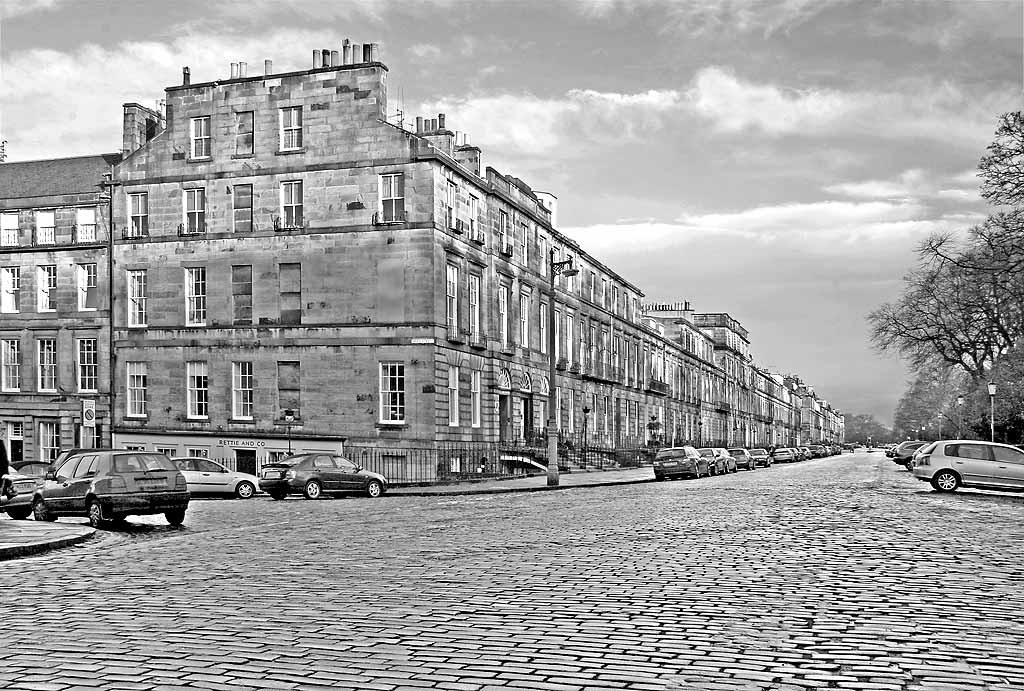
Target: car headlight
290, 475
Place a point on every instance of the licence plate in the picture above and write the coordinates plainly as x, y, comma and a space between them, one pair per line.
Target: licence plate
271, 474
151, 484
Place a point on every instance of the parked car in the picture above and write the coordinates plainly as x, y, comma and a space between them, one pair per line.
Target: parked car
680, 461
313, 474
803, 453
110, 484
784, 454
817, 451
743, 459
16, 491
905, 451
761, 457
204, 476
949, 465
720, 460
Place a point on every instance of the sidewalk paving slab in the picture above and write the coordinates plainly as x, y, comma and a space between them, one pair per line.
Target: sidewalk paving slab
533, 483
22, 538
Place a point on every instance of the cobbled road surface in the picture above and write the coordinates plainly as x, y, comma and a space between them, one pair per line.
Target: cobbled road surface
836, 573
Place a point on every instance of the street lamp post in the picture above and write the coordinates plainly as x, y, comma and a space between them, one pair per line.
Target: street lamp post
586, 418
289, 418
992, 410
959, 416
554, 269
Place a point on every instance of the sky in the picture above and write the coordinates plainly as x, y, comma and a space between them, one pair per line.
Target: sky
777, 160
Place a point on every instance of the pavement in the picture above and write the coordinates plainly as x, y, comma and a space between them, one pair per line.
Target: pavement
837, 573
23, 538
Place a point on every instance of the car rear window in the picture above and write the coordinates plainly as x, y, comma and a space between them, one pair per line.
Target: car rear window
736, 452
142, 462
671, 453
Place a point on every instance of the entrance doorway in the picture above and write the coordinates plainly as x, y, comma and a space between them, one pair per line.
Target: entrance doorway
504, 417
245, 461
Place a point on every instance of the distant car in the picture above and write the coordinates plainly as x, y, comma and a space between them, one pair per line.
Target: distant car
804, 453
204, 476
314, 474
761, 457
743, 459
720, 460
785, 454
949, 465
109, 484
818, 451
680, 461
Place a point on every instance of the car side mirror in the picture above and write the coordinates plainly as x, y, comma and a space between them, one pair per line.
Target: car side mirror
50, 475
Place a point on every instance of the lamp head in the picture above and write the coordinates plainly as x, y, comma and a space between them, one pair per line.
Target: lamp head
960, 400
991, 388
571, 272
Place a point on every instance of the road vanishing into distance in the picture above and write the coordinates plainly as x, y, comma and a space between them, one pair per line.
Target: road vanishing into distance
842, 572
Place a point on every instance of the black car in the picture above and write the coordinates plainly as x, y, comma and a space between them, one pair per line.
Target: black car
313, 474
680, 461
109, 484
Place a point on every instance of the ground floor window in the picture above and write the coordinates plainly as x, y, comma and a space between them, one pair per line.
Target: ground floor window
49, 441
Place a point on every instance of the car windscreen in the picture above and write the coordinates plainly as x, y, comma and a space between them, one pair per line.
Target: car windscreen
142, 462
706, 453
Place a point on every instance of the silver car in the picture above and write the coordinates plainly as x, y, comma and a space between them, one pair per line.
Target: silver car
949, 465
209, 477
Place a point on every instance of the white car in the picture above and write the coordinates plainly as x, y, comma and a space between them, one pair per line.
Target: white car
948, 465
204, 476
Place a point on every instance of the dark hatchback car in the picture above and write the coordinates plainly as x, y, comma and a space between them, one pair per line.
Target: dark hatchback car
110, 484
680, 461
313, 474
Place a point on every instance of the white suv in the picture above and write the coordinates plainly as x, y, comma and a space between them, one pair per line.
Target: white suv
948, 465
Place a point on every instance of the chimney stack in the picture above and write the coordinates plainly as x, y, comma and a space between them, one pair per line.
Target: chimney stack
268, 67
419, 125
440, 121
316, 58
242, 70
234, 70
186, 76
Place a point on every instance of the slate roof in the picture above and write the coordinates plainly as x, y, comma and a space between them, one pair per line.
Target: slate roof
76, 175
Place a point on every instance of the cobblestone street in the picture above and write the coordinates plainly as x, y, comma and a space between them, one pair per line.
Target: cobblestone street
836, 573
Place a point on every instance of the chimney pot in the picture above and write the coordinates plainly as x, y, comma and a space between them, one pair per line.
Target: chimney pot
374, 52
316, 58
234, 70
186, 76
268, 67
440, 121
367, 52
357, 54
326, 55
419, 125
335, 58
242, 70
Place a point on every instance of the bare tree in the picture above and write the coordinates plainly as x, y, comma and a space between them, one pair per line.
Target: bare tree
1002, 168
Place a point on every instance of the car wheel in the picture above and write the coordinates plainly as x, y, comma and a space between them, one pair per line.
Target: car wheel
245, 490
278, 496
95, 513
41, 513
945, 481
176, 517
374, 489
20, 513
312, 490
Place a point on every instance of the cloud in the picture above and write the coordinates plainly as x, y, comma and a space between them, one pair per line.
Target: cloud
825, 228
425, 51
914, 183
697, 17
14, 8
922, 109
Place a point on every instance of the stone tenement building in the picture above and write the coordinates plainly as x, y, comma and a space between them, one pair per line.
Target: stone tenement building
291, 270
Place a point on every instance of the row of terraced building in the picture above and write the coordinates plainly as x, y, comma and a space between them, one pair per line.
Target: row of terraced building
269, 264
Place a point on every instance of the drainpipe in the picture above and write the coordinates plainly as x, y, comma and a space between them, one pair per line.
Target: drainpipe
109, 184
